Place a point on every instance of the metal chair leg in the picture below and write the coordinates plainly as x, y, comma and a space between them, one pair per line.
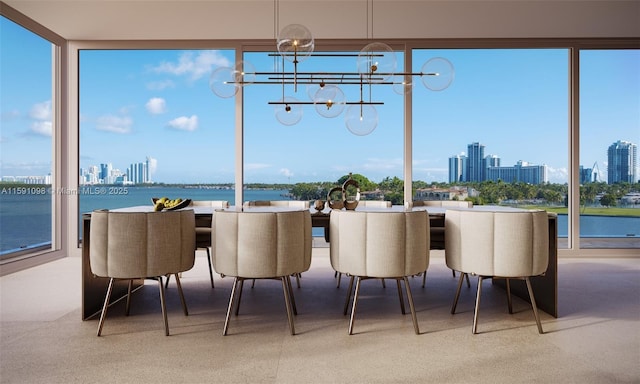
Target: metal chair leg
467, 277
287, 302
103, 315
163, 304
210, 267
226, 320
400, 296
455, 299
182, 300
240, 294
475, 312
298, 275
346, 303
339, 278
533, 305
509, 302
411, 306
424, 278
291, 298
128, 307
355, 304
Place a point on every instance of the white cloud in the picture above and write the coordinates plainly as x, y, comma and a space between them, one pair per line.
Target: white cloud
115, 124
193, 65
153, 165
44, 128
41, 114
41, 111
286, 172
557, 175
156, 105
184, 123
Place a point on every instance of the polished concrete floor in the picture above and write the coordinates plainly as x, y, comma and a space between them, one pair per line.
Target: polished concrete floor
596, 338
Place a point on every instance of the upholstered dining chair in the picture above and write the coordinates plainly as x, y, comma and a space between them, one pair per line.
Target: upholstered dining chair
379, 245
302, 204
369, 204
501, 244
443, 203
261, 245
374, 204
437, 233
142, 245
297, 204
203, 230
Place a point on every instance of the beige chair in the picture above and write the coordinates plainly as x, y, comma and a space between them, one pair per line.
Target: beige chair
507, 244
437, 233
380, 245
203, 229
299, 204
373, 204
443, 203
261, 245
302, 204
136, 245
383, 204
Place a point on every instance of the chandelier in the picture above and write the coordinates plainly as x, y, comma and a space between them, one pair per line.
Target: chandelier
375, 66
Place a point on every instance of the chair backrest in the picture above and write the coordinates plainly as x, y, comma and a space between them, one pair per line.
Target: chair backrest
379, 244
261, 244
443, 203
129, 245
374, 203
302, 204
210, 203
506, 244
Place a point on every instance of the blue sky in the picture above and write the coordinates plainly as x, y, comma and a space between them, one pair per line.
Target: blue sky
157, 103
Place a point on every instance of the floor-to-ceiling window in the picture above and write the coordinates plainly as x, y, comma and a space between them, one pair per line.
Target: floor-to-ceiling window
27, 199
311, 148
609, 140
150, 126
498, 133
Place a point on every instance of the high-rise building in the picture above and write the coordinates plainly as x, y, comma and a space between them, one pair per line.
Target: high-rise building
458, 168
491, 161
521, 172
476, 165
148, 175
586, 175
622, 159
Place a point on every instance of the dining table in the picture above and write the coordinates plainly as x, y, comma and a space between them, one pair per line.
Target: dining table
545, 286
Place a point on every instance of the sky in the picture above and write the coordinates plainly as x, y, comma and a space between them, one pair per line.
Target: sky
136, 104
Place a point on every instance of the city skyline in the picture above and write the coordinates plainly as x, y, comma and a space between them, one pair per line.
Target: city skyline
460, 170
134, 102
105, 173
476, 167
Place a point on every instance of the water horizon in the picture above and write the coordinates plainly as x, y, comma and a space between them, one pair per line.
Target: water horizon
26, 219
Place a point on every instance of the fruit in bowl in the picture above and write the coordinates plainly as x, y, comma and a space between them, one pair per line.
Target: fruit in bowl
163, 203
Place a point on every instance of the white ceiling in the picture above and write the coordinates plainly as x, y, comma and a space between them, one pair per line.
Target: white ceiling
332, 19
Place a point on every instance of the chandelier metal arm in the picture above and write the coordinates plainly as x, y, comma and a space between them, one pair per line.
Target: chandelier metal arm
314, 103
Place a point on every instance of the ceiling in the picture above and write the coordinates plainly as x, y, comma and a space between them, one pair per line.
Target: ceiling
331, 19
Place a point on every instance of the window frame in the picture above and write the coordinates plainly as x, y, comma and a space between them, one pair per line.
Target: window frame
20, 260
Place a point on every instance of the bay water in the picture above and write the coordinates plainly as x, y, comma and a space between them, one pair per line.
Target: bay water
25, 218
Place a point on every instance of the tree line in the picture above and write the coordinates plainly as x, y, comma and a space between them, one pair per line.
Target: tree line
488, 192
